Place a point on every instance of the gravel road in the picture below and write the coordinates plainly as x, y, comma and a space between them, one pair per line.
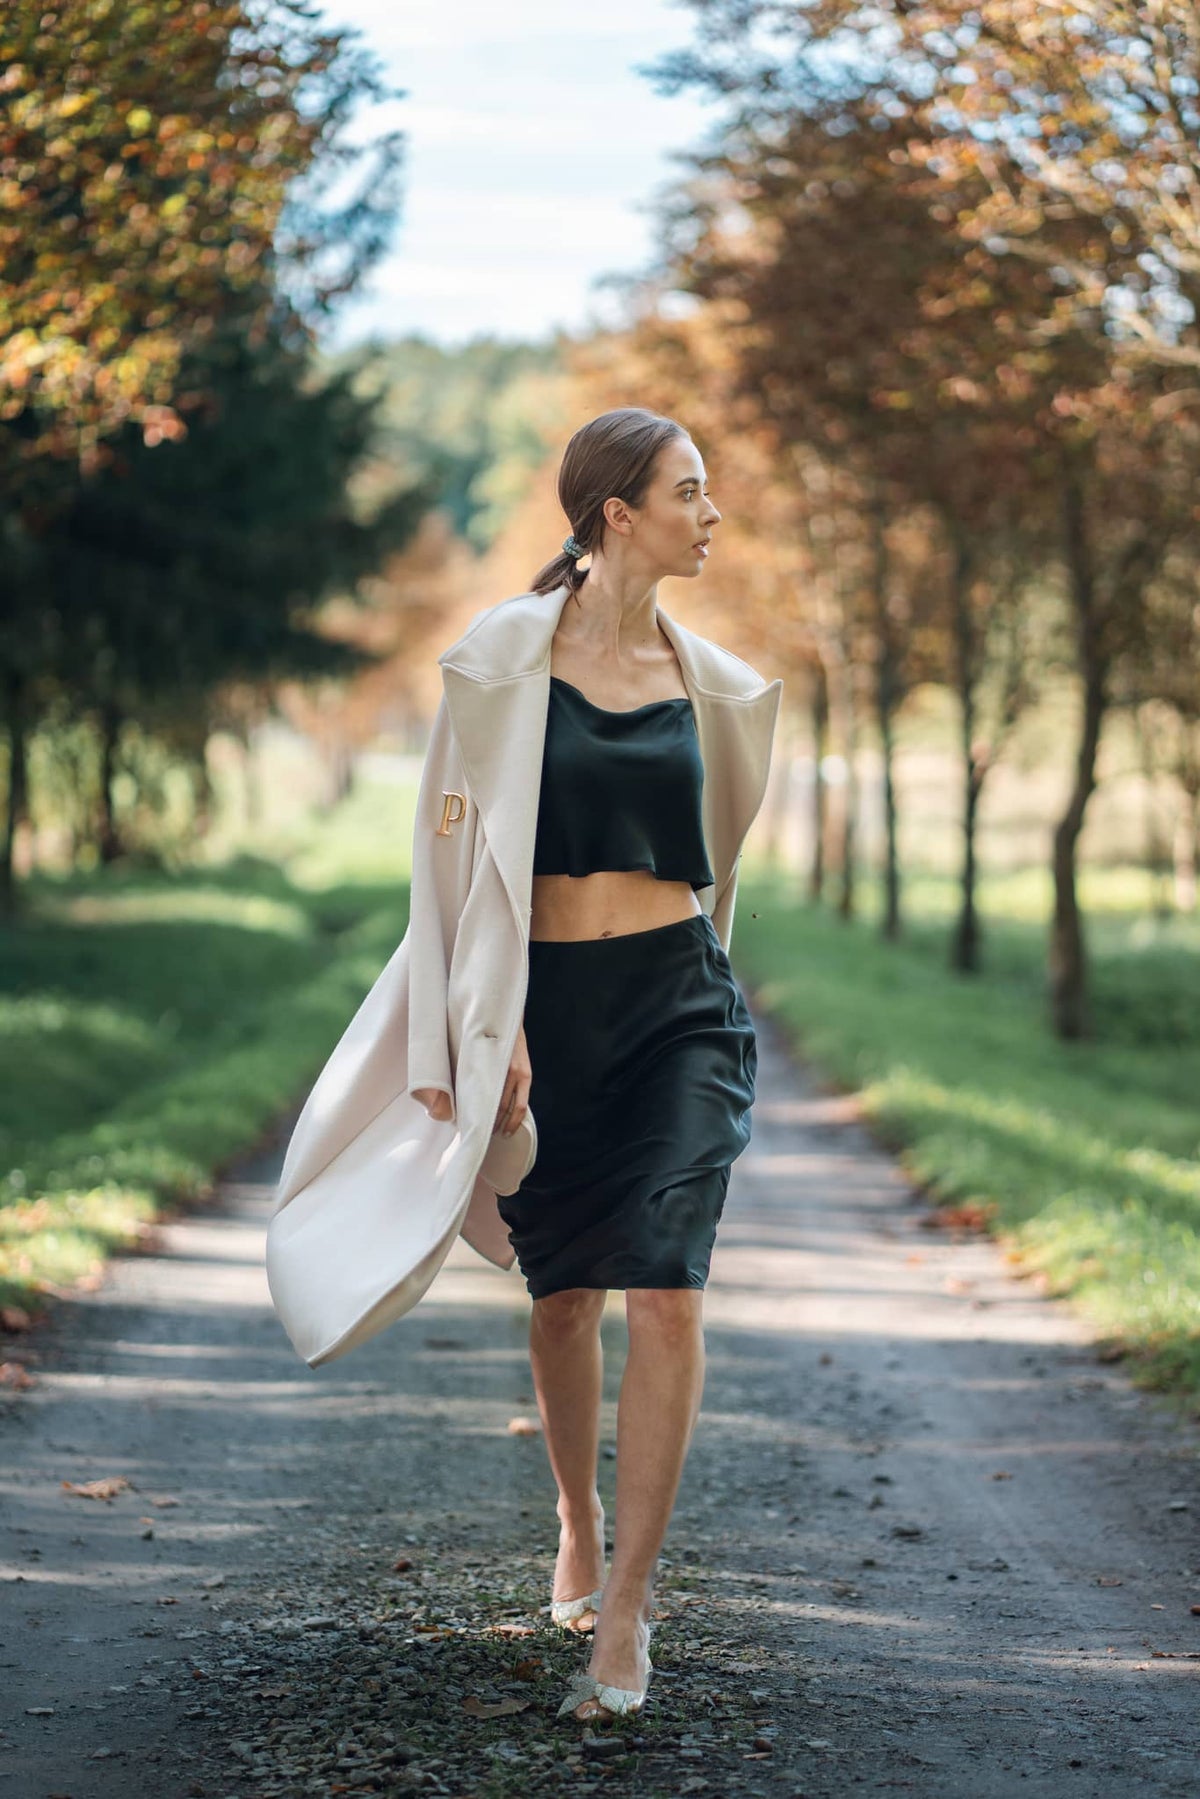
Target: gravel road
927, 1540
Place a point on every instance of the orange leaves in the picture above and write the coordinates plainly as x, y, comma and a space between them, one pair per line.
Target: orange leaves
107, 1487
502, 1708
104, 193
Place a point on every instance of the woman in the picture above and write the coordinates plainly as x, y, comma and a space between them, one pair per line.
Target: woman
636, 1051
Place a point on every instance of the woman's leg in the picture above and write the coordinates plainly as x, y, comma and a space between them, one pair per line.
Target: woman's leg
659, 1404
568, 1373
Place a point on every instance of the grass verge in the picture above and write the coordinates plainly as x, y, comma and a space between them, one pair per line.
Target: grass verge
154, 1025
1084, 1156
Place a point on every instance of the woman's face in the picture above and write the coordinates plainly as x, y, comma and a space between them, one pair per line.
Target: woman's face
675, 520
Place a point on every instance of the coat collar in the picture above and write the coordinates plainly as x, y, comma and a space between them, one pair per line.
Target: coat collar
496, 679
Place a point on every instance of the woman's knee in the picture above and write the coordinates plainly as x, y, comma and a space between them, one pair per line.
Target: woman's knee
566, 1314
673, 1312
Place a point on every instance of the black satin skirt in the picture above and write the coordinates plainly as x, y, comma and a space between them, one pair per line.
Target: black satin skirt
644, 1061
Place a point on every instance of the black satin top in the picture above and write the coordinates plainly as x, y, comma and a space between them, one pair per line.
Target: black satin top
621, 790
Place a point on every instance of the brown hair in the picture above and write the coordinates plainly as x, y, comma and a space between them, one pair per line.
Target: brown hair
611, 457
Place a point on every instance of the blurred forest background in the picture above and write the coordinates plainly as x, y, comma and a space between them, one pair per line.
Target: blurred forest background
927, 299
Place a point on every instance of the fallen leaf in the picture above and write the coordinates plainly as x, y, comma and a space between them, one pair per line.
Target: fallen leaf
401, 1565
478, 1708
971, 1216
1001, 1474
14, 1318
1110, 1580
105, 1488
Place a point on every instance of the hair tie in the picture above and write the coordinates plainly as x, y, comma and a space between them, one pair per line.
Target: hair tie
574, 548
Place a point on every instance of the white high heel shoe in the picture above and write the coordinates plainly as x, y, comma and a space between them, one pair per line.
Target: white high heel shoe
615, 1701
564, 1612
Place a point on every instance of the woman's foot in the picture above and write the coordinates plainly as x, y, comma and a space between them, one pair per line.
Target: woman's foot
620, 1659
579, 1569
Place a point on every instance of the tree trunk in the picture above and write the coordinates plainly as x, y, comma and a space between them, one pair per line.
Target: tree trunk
108, 836
202, 796
1186, 844
18, 790
1186, 850
1157, 849
848, 735
886, 692
832, 627
965, 942
1069, 1007
819, 702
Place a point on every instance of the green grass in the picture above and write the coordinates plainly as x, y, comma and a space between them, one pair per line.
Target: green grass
1086, 1155
151, 1026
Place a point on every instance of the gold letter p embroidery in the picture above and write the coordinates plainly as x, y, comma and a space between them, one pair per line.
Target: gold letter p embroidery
450, 817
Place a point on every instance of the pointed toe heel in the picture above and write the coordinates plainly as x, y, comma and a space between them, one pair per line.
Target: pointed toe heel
564, 1612
614, 1702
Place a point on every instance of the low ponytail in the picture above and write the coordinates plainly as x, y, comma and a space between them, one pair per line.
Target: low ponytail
563, 571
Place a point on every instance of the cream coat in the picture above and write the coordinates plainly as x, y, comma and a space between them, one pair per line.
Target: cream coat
374, 1191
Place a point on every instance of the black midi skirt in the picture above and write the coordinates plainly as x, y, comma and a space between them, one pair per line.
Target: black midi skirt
644, 1061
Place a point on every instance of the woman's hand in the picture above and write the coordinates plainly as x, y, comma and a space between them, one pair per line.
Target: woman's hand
514, 1100
437, 1103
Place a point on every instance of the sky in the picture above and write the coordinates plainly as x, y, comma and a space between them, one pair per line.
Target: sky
531, 145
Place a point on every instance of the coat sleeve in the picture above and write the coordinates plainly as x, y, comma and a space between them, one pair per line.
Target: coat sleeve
442, 867
724, 904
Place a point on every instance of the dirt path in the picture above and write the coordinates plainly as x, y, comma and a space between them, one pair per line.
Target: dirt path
926, 1541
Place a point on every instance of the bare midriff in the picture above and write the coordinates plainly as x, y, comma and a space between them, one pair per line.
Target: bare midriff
568, 908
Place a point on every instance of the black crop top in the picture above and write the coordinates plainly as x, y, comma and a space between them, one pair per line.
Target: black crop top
620, 790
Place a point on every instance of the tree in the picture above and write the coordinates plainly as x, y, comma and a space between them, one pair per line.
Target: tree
177, 570
164, 177
885, 315
161, 165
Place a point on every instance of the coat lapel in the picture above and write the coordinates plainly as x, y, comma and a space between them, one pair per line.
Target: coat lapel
497, 685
